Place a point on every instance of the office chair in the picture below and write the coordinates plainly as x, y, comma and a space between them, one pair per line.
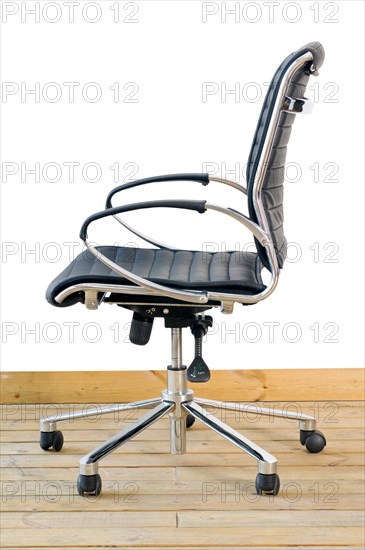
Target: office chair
181, 285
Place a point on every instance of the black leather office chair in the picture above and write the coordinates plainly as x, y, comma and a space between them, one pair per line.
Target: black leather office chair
180, 285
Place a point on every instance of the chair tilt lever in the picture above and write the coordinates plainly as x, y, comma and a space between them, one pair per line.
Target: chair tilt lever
199, 370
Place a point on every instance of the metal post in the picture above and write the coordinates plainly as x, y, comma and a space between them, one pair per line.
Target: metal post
176, 347
177, 389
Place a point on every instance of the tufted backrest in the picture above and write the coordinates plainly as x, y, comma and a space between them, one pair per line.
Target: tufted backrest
271, 173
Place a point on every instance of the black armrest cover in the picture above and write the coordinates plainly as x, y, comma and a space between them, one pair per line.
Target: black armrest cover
198, 206
200, 178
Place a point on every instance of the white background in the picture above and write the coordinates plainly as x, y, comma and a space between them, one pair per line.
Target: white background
169, 52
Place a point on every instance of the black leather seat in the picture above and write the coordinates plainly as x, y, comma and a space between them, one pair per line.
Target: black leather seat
221, 271
229, 273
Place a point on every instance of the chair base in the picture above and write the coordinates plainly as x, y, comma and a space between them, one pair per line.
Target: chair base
179, 403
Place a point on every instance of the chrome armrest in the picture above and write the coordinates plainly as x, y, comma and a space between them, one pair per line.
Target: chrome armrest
157, 289
142, 236
227, 299
255, 229
230, 184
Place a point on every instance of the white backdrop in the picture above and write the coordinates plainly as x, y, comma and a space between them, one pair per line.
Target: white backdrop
97, 93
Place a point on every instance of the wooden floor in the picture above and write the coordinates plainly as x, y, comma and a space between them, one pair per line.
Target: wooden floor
203, 499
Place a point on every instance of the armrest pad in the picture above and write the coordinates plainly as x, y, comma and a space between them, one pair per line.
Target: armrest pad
200, 178
198, 206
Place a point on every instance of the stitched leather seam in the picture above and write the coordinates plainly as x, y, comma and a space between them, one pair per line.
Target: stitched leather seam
269, 188
273, 207
152, 264
258, 270
276, 228
134, 259
172, 263
190, 266
229, 265
270, 168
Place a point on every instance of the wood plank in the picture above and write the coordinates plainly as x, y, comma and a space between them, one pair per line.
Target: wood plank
163, 446
192, 519
290, 473
196, 481
250, 518
248, 427
329, 414
61, 520
236, 385
182, 473
55, 474
354, 421
310, 499
326, 408
96, 436
310, 547
177, 538
299, 458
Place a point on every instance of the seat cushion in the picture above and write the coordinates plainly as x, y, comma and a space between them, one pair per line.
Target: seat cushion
236, 272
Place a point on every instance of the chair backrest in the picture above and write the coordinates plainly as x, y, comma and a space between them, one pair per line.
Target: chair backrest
266, 163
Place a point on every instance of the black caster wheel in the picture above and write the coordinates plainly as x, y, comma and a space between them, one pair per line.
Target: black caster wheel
268, 484
51, 439
314, 440
190, 419
89, 485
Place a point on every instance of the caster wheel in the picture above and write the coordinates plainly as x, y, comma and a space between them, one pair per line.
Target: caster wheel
314, 440
89, 485
268, 484
51, 439
190, 419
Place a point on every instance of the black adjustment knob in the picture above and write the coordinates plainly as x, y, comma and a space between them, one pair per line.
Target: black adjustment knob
141, 329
